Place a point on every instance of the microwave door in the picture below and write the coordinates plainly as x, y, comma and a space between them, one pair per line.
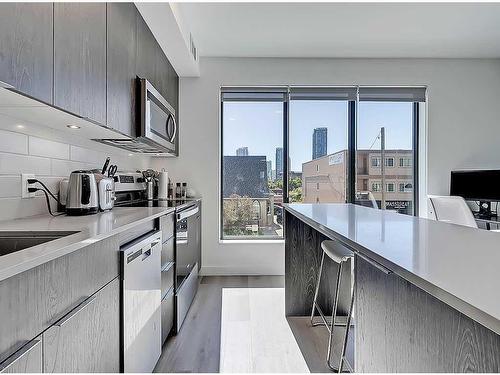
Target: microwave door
160, 128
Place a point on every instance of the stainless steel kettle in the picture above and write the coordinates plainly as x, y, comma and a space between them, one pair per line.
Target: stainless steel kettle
82, 196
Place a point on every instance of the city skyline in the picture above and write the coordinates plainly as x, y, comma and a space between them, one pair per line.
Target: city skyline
242, 151
261, 126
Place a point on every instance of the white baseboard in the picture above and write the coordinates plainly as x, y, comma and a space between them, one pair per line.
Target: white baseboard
241, 271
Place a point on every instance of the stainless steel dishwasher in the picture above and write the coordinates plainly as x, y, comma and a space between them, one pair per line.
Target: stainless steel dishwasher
141, 296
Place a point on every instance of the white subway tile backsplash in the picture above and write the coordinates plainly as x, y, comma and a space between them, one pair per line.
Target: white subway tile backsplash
65, 167
49, 149
52, 184
10, 186
13, 142
87, 156
17, 164
13, 208
49, 161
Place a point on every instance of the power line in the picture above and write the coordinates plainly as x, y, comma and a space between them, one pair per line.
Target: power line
375, 140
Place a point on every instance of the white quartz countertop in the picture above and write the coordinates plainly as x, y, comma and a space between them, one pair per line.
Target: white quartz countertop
90, 228
456, 264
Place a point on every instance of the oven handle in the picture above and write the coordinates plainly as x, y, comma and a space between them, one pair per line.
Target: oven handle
185, 214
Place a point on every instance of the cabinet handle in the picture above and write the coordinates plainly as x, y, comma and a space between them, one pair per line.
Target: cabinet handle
75, 311
17, 355
375, 264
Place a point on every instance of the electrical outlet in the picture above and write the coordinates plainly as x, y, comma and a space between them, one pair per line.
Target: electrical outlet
24, 185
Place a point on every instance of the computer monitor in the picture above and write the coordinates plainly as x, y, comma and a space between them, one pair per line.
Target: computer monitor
477, 185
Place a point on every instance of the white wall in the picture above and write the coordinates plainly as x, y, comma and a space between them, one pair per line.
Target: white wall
463, 129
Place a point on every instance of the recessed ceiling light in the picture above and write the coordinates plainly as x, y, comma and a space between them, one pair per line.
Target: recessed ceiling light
130, 154
20, 126
73, 126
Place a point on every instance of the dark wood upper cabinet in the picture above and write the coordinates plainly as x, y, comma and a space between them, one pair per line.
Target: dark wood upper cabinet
168, 79
26, 46
153, 65
146, 52
174, 91
84, 58
80, 59
121, 66
162, 73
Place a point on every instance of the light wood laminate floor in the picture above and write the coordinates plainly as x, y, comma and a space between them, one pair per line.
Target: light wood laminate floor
196, 348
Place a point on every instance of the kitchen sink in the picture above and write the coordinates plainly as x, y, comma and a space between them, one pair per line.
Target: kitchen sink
13, 241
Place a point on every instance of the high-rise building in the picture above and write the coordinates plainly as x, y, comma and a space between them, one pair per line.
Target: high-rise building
279, 162
269, 169
319, 142
242, 151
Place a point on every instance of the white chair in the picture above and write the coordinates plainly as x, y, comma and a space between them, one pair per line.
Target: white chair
453, 210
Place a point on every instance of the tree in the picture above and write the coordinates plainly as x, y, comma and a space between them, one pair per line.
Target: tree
237, 211
276, 184
295, 195
295, 183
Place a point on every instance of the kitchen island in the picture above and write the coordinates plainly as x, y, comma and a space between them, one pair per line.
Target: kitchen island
427, 295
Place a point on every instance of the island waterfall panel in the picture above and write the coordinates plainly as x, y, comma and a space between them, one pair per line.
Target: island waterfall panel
401, 328
398, 326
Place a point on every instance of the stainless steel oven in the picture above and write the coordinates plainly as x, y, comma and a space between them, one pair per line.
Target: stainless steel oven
158, 125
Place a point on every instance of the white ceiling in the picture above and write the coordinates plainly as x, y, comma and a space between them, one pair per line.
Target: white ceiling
344, 29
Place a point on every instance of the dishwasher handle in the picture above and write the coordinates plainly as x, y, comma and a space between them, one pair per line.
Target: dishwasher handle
187, 213
143, 246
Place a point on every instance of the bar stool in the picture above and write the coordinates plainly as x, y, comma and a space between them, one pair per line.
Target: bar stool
340, 255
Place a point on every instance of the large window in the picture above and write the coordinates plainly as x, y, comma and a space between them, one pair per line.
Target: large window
318, 151
252, 165
387, 129
315, 145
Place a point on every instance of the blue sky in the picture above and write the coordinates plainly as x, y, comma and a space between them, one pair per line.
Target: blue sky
259, 126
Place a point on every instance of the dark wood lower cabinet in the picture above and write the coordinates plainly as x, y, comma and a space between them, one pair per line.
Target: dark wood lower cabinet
32, 301
28, 359
87, 339
401, 328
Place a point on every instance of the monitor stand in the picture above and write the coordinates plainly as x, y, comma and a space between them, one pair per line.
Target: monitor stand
485, 210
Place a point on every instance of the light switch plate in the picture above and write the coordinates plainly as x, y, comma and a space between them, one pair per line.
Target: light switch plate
24, 185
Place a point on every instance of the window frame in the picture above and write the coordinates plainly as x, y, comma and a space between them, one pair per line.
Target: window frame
353, 111
270, 239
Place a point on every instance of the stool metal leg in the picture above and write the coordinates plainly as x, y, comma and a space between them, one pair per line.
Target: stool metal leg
317, 290
334, 314
334, 318
346, 335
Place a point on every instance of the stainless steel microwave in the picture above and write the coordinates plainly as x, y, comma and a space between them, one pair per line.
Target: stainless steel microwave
157, 121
